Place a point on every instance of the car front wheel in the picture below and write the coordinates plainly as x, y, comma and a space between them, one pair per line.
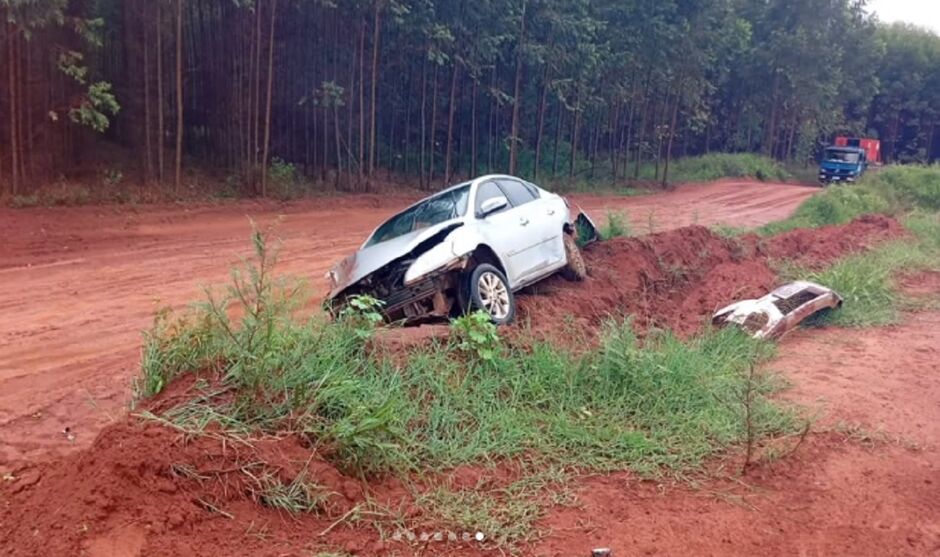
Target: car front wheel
490, 292
575, 269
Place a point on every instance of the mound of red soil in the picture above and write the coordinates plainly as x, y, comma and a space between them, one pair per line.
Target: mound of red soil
677, 279
669, 280
145, 489
814, 247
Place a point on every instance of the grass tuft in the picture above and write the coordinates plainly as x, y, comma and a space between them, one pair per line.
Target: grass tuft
616, 226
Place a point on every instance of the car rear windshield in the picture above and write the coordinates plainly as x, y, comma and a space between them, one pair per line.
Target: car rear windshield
842, 156
433, 210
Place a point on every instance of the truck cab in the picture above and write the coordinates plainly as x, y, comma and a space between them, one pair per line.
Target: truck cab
842, 164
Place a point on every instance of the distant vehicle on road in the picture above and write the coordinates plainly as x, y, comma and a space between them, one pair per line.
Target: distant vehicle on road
467, 248
848, 159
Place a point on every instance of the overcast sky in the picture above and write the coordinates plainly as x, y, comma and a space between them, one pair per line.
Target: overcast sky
925, 13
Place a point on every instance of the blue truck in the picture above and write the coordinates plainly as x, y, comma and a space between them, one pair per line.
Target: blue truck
848, 159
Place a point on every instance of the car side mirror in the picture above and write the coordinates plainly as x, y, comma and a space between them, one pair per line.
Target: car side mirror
493, 205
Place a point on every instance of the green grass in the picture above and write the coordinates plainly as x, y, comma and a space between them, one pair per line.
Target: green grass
704, 168
710, 167
616, 226
507, 516
891, 190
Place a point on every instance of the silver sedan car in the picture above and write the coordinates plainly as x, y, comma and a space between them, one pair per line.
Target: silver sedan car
469, 247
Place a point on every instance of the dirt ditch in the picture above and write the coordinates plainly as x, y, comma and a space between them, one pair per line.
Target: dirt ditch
677, 279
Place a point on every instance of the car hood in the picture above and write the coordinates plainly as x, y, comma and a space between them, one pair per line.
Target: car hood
370, 259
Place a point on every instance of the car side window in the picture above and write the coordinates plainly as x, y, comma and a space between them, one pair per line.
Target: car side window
532, 189
516, 192
489, 190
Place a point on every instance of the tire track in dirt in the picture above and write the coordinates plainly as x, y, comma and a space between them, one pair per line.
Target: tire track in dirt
80, 284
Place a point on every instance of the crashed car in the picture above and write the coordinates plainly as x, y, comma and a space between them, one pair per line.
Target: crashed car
469, 247
775, 314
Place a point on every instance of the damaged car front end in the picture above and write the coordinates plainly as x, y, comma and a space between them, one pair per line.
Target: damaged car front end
780, 311
406, 292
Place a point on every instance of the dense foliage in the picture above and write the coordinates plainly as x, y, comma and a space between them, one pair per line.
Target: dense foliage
432, 89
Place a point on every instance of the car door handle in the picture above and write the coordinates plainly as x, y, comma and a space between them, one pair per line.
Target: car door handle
523, 221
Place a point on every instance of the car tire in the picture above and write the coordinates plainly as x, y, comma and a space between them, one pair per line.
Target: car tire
575, 269
490, 292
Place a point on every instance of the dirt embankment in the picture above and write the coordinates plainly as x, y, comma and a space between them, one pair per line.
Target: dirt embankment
677, 279
143, 489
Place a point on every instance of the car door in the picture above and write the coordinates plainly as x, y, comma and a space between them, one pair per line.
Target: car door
507, 231
542, 219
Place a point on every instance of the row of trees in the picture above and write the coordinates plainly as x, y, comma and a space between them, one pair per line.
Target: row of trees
435, 89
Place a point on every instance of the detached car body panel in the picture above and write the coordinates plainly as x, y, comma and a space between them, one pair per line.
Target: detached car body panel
780, 311
415, 261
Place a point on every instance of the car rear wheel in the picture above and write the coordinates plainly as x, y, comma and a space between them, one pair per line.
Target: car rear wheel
576, 268
490, 292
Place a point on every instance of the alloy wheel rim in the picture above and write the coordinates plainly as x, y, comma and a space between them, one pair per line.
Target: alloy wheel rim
494, 295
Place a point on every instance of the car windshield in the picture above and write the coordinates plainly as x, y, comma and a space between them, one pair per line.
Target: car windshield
433, 210
841, 156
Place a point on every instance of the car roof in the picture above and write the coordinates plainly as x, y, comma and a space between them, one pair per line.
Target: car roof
474, 182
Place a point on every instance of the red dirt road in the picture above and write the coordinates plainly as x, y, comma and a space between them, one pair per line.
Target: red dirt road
79, 285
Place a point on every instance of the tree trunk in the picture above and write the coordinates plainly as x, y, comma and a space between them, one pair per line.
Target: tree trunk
147, 133
424, 118
540, 126
267, 110
339, 156
930, 140
179, 96
772, 124
161, 101
516, 98
433, 127
642, 130
629, 139
362, 99
11, 74
595, 139
406, 140
559, 124
450, 122
256, 80
377, 21
491, 121
575, 129
613, 137
672, 134
473, 130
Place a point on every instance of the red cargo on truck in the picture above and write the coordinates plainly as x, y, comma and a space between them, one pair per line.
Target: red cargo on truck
872, 147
